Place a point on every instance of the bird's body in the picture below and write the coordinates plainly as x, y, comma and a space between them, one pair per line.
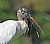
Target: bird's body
9, 28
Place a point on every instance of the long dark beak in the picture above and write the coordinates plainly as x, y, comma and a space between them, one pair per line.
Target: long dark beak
37, 24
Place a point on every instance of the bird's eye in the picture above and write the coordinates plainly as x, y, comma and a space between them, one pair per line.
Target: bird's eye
24, 11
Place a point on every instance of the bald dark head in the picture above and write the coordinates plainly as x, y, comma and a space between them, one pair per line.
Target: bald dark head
22, 13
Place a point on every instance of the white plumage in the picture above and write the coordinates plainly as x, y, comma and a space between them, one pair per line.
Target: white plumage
9, 28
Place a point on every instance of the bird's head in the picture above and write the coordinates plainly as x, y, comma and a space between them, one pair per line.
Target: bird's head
22, 13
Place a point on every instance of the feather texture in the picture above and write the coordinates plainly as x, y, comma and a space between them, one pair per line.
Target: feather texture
8, 29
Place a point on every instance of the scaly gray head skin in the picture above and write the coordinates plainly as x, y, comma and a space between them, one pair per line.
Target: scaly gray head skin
22, 13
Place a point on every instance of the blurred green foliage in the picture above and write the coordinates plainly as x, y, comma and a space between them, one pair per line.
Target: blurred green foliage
36, 5
39, 6
4, 4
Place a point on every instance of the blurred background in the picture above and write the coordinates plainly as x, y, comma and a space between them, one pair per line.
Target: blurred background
40, 10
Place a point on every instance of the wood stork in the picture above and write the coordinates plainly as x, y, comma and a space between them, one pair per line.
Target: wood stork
9, 28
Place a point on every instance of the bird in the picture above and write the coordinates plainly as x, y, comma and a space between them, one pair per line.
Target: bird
9, 28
